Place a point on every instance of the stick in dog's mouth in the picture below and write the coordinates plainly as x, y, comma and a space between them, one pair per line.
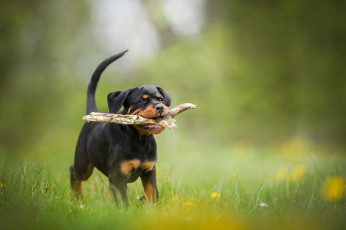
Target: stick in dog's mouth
158, 123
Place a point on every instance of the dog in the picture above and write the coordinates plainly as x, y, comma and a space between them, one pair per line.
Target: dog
121, 152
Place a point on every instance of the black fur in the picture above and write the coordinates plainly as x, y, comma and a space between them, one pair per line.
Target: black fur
121, 152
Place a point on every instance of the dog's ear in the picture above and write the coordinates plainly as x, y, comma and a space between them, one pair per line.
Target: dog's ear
166, 97
116, 100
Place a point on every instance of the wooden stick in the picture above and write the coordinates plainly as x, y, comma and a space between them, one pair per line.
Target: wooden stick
166, 121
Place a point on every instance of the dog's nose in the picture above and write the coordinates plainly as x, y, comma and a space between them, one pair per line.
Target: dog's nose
159, 109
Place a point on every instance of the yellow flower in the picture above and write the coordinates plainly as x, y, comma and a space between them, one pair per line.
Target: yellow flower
280, 174
216, 195
175, 198
297, 172
47, 186
188, 203
2, 185
333, 188
56, 197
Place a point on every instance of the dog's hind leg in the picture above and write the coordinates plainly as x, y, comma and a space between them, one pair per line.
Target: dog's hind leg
82, 168
76, 179
76, 185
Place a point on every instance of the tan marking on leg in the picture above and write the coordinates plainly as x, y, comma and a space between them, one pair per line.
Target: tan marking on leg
148, 165
127, 166
77, 188
108, 194
149, 192
88, 173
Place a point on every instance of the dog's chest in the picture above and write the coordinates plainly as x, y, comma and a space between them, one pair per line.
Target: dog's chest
129, 167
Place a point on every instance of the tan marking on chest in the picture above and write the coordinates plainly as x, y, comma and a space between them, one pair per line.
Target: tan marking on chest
127, 166
148, 165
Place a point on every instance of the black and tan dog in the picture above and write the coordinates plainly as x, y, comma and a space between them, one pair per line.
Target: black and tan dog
121, 152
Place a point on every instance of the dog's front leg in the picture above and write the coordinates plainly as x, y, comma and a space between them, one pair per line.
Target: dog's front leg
149, 185
118, 184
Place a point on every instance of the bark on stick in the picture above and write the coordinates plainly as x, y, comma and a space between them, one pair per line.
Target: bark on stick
167, 121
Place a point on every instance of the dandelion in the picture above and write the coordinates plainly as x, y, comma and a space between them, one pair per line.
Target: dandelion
280, 174
46, 188
263, 204
175, 198
2, 186
56, 197
297, 172
216, 195
188, 203
333, 188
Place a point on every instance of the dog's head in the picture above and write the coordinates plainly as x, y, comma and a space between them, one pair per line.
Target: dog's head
145, 101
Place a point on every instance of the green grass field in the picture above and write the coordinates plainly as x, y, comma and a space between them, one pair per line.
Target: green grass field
291, 186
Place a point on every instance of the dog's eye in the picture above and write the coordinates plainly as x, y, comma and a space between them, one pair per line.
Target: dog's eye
144, 100
160, 99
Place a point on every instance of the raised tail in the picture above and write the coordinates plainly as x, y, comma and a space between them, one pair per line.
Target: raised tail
90, 101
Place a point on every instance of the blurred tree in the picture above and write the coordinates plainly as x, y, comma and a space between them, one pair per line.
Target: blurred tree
294, 52
37, 38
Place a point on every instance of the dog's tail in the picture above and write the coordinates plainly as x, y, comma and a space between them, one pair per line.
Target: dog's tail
90, 101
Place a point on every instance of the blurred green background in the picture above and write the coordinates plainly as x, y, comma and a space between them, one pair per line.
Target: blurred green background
260, 72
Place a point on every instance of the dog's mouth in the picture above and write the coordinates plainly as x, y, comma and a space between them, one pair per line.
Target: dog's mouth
151, 129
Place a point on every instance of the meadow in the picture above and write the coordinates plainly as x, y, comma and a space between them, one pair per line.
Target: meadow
290, 186
265, 148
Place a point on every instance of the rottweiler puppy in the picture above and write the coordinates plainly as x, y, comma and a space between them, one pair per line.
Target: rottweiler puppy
121, 152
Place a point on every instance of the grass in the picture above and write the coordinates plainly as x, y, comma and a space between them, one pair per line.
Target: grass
238, 187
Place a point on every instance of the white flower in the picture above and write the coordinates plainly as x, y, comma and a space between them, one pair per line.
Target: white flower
82, 206
263, 205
